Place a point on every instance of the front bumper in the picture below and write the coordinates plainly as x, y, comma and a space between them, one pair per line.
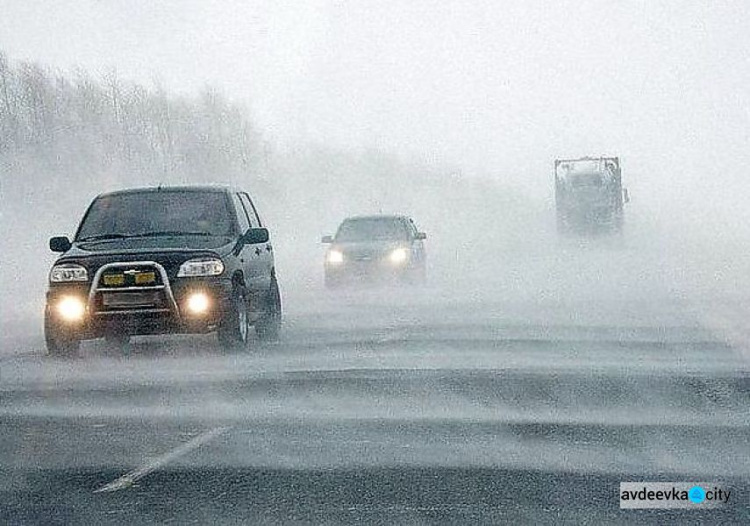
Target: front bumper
165, 309
365, 271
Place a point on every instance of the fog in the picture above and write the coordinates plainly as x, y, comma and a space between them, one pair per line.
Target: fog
616, 357
451, 113
497, 90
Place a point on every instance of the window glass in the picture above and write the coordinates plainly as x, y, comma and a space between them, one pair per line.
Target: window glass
241, 212
159, 212
371, 229
251, 211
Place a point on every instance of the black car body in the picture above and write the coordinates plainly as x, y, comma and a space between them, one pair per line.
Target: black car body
161, 260
375, 248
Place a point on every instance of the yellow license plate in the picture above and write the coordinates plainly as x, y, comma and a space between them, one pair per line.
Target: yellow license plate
113, 280
145, 278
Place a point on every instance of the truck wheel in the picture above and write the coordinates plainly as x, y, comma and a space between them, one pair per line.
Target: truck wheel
234, 327
59, 340
269, 325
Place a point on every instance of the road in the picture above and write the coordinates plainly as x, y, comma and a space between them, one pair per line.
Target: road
462, 404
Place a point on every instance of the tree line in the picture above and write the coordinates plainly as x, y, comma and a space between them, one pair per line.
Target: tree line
59, 125
66, 137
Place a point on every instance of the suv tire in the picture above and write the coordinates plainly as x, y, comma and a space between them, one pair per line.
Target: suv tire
234, 327
60, 342
268, 327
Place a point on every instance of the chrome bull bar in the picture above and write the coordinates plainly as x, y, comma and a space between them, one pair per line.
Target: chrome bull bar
165, 286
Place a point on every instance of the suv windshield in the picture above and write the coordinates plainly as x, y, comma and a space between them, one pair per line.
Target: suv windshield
375, 229
153, 213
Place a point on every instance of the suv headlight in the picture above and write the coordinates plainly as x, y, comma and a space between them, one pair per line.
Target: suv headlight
201, 267
68, 272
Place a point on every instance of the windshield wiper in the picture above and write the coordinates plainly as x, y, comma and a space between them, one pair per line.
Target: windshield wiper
105, 237
171, 233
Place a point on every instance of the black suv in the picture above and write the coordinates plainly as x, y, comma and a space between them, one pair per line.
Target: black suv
160, 260
380, 247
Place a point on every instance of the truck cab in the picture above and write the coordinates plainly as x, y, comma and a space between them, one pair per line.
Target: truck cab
589, 196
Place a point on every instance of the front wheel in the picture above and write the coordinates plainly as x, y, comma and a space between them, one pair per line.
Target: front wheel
60, 340
234, 326
269, 326
119, 341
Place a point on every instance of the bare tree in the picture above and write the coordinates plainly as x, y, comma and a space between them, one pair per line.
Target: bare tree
8, 122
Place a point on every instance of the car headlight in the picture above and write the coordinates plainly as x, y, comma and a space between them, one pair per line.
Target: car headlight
71, 308
68, 272
335, 257
398, 256
201, 267
198, 303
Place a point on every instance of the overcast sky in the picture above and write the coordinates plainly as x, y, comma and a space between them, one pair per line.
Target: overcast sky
497, 88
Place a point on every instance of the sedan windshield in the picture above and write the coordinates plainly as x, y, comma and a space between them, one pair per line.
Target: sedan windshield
371, 229
157, 213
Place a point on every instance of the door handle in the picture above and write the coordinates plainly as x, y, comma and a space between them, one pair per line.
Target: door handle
257, 251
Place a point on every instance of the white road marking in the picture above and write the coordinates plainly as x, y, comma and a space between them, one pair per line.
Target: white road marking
130, 478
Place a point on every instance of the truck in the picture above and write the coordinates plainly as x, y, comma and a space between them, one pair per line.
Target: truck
589, 196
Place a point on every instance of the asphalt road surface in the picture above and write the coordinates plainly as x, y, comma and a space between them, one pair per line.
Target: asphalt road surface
392, 406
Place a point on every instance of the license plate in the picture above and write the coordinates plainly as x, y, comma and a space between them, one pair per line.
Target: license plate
114, 280
130, 299
145, 278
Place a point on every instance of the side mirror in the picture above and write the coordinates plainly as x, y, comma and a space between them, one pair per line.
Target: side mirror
625, 195
59, 244
327, 240
421, 236
255, 236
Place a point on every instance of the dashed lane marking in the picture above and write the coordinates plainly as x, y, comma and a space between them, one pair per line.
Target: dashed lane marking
130, 478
